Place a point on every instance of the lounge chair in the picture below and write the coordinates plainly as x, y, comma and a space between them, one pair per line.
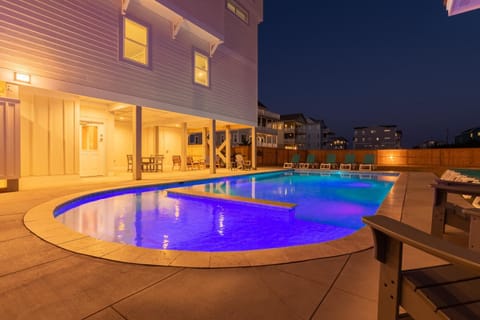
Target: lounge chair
294, 162
368, 163
448, 291
349, 163
309, 163
459, 214
330, 162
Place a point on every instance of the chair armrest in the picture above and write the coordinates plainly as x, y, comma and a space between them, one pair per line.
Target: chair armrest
475, 212
457, 187
385, 228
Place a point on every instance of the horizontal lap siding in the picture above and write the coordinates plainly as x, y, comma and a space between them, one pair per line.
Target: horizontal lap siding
78, 42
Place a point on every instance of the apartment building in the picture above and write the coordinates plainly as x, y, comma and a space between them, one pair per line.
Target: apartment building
377, 137
84, 83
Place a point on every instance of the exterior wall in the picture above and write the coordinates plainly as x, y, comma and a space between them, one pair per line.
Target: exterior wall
49, 138
123, 132
73, 47
9, 142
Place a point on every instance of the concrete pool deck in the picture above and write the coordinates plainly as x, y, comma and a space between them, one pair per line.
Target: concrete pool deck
39, 280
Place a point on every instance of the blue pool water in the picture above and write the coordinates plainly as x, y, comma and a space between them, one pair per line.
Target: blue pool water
328, 206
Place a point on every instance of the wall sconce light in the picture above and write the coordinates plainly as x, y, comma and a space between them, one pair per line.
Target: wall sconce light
22, 77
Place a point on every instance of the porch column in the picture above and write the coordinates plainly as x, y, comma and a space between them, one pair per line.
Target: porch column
205, 144
228, 147
254, 148
183, 147
137, 143
212, 151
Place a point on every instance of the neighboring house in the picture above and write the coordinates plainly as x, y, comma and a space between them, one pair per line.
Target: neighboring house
314, 133
468, 138
267, 127
377, 137
431, 143
84, 83
292, 131
338, 143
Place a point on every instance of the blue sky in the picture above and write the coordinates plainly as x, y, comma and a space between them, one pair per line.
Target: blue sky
361, 63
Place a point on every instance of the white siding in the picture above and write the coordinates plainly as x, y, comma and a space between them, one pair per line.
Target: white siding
75, 42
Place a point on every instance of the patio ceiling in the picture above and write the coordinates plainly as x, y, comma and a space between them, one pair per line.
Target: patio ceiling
155, 117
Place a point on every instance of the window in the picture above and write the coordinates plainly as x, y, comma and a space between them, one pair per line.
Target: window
135, 42
201, 73
89, 138
237, 10
195, 138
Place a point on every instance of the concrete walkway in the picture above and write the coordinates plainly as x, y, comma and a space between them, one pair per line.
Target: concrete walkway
41, 281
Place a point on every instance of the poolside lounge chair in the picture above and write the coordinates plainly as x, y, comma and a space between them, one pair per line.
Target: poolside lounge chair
294, 163
447, 291
330, 162
451, 209
368, 162
309, 163
349, 163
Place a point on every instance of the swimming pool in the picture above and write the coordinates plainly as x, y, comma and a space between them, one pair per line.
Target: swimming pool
323, 207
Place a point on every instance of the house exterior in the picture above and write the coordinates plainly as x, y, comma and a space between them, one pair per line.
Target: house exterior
83, 83
292, 131
468, 138
377, 137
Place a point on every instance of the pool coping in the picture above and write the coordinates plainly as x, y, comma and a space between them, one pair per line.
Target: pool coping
40, 221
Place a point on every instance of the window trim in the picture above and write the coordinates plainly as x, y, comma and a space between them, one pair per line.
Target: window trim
194, 68
238, 8
122, 57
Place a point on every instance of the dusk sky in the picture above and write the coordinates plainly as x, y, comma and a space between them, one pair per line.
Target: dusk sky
377, 62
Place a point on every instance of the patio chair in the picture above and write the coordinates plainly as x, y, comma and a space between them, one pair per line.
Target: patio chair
176, 162
349, 163
158, 162
368, 163
446, 291
330, 162
309, 163
192, 164
294, 162
240, 163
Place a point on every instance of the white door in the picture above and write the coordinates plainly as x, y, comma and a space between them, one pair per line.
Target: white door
92, 149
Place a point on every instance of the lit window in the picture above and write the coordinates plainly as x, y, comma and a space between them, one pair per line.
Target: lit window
89, 138
135, 42
237, 10
201, 75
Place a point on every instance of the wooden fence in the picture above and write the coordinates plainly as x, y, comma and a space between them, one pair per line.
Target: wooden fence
387, 159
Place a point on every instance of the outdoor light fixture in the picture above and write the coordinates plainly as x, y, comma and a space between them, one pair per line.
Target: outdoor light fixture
22, 77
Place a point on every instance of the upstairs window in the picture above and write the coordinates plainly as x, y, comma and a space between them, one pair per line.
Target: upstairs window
201, 69
237, 10
135, 42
